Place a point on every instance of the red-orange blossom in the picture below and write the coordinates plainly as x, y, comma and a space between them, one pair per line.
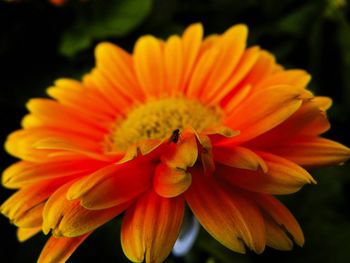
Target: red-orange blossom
208, 123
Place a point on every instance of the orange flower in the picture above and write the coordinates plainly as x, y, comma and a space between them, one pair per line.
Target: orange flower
208, 123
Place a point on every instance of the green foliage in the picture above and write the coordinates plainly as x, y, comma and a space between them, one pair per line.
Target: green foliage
98, 20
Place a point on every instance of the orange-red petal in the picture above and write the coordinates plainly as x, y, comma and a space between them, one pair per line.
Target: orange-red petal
313, 151
112, 185
151, 226
256, 116
59, 249
228, 216
69, 219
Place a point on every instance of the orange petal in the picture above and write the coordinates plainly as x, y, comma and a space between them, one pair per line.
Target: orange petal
239, 157
54, 114
25, 173
264, 66
173, 62
280, 102
296, 78
23, 234
80, 97
111, 94
232, 45
60, 249
151, 226
63, 144
229, 89
228, 216
69, 219
112, 185
191, 44
201, 72
276, 236
282, 176
149, 66
273, 209
309, 119
29, 197
117, 66
313, 151
31, 218
170, 182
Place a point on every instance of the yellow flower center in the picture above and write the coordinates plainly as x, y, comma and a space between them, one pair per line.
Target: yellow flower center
159, 119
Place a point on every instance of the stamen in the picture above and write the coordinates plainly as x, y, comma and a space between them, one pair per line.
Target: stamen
162, 119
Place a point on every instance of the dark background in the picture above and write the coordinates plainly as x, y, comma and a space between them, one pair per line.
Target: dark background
40, 42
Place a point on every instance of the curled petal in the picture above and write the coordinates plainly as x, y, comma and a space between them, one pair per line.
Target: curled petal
228, 216
185, 154
273, 209
69, 219
276, 237
151, 226
281, 102
112, 185
282, 176
171, 182
239, 157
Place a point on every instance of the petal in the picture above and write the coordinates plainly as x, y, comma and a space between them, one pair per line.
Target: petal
276, 236
273, 209
60, 249
228, 216
54, 114
117, 66
280, 102
239, 157
170, 182
191, 44
149, 65
31, 218
25, 173
151, 227
309, 119
282, 176
81, 99
23, 234
231, 86
264, 67
69, 219
173, 62
63, 144
112, 185
297, 78
201, 72
313, 151
28, 197
232, 45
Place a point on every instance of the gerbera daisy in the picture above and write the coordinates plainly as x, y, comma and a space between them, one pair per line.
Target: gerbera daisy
208, 123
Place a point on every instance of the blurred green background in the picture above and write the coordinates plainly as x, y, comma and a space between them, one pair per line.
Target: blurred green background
40, 42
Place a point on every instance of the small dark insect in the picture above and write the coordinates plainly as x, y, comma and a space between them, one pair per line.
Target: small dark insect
175, 136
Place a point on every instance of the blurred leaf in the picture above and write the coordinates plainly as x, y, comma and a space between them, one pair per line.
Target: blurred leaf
103, 19
296, 22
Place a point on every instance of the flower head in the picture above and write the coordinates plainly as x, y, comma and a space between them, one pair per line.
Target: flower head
208, 123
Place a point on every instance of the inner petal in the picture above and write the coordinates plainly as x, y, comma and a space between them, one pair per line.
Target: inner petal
160, 118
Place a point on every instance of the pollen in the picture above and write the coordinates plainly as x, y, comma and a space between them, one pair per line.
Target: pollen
159, 119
